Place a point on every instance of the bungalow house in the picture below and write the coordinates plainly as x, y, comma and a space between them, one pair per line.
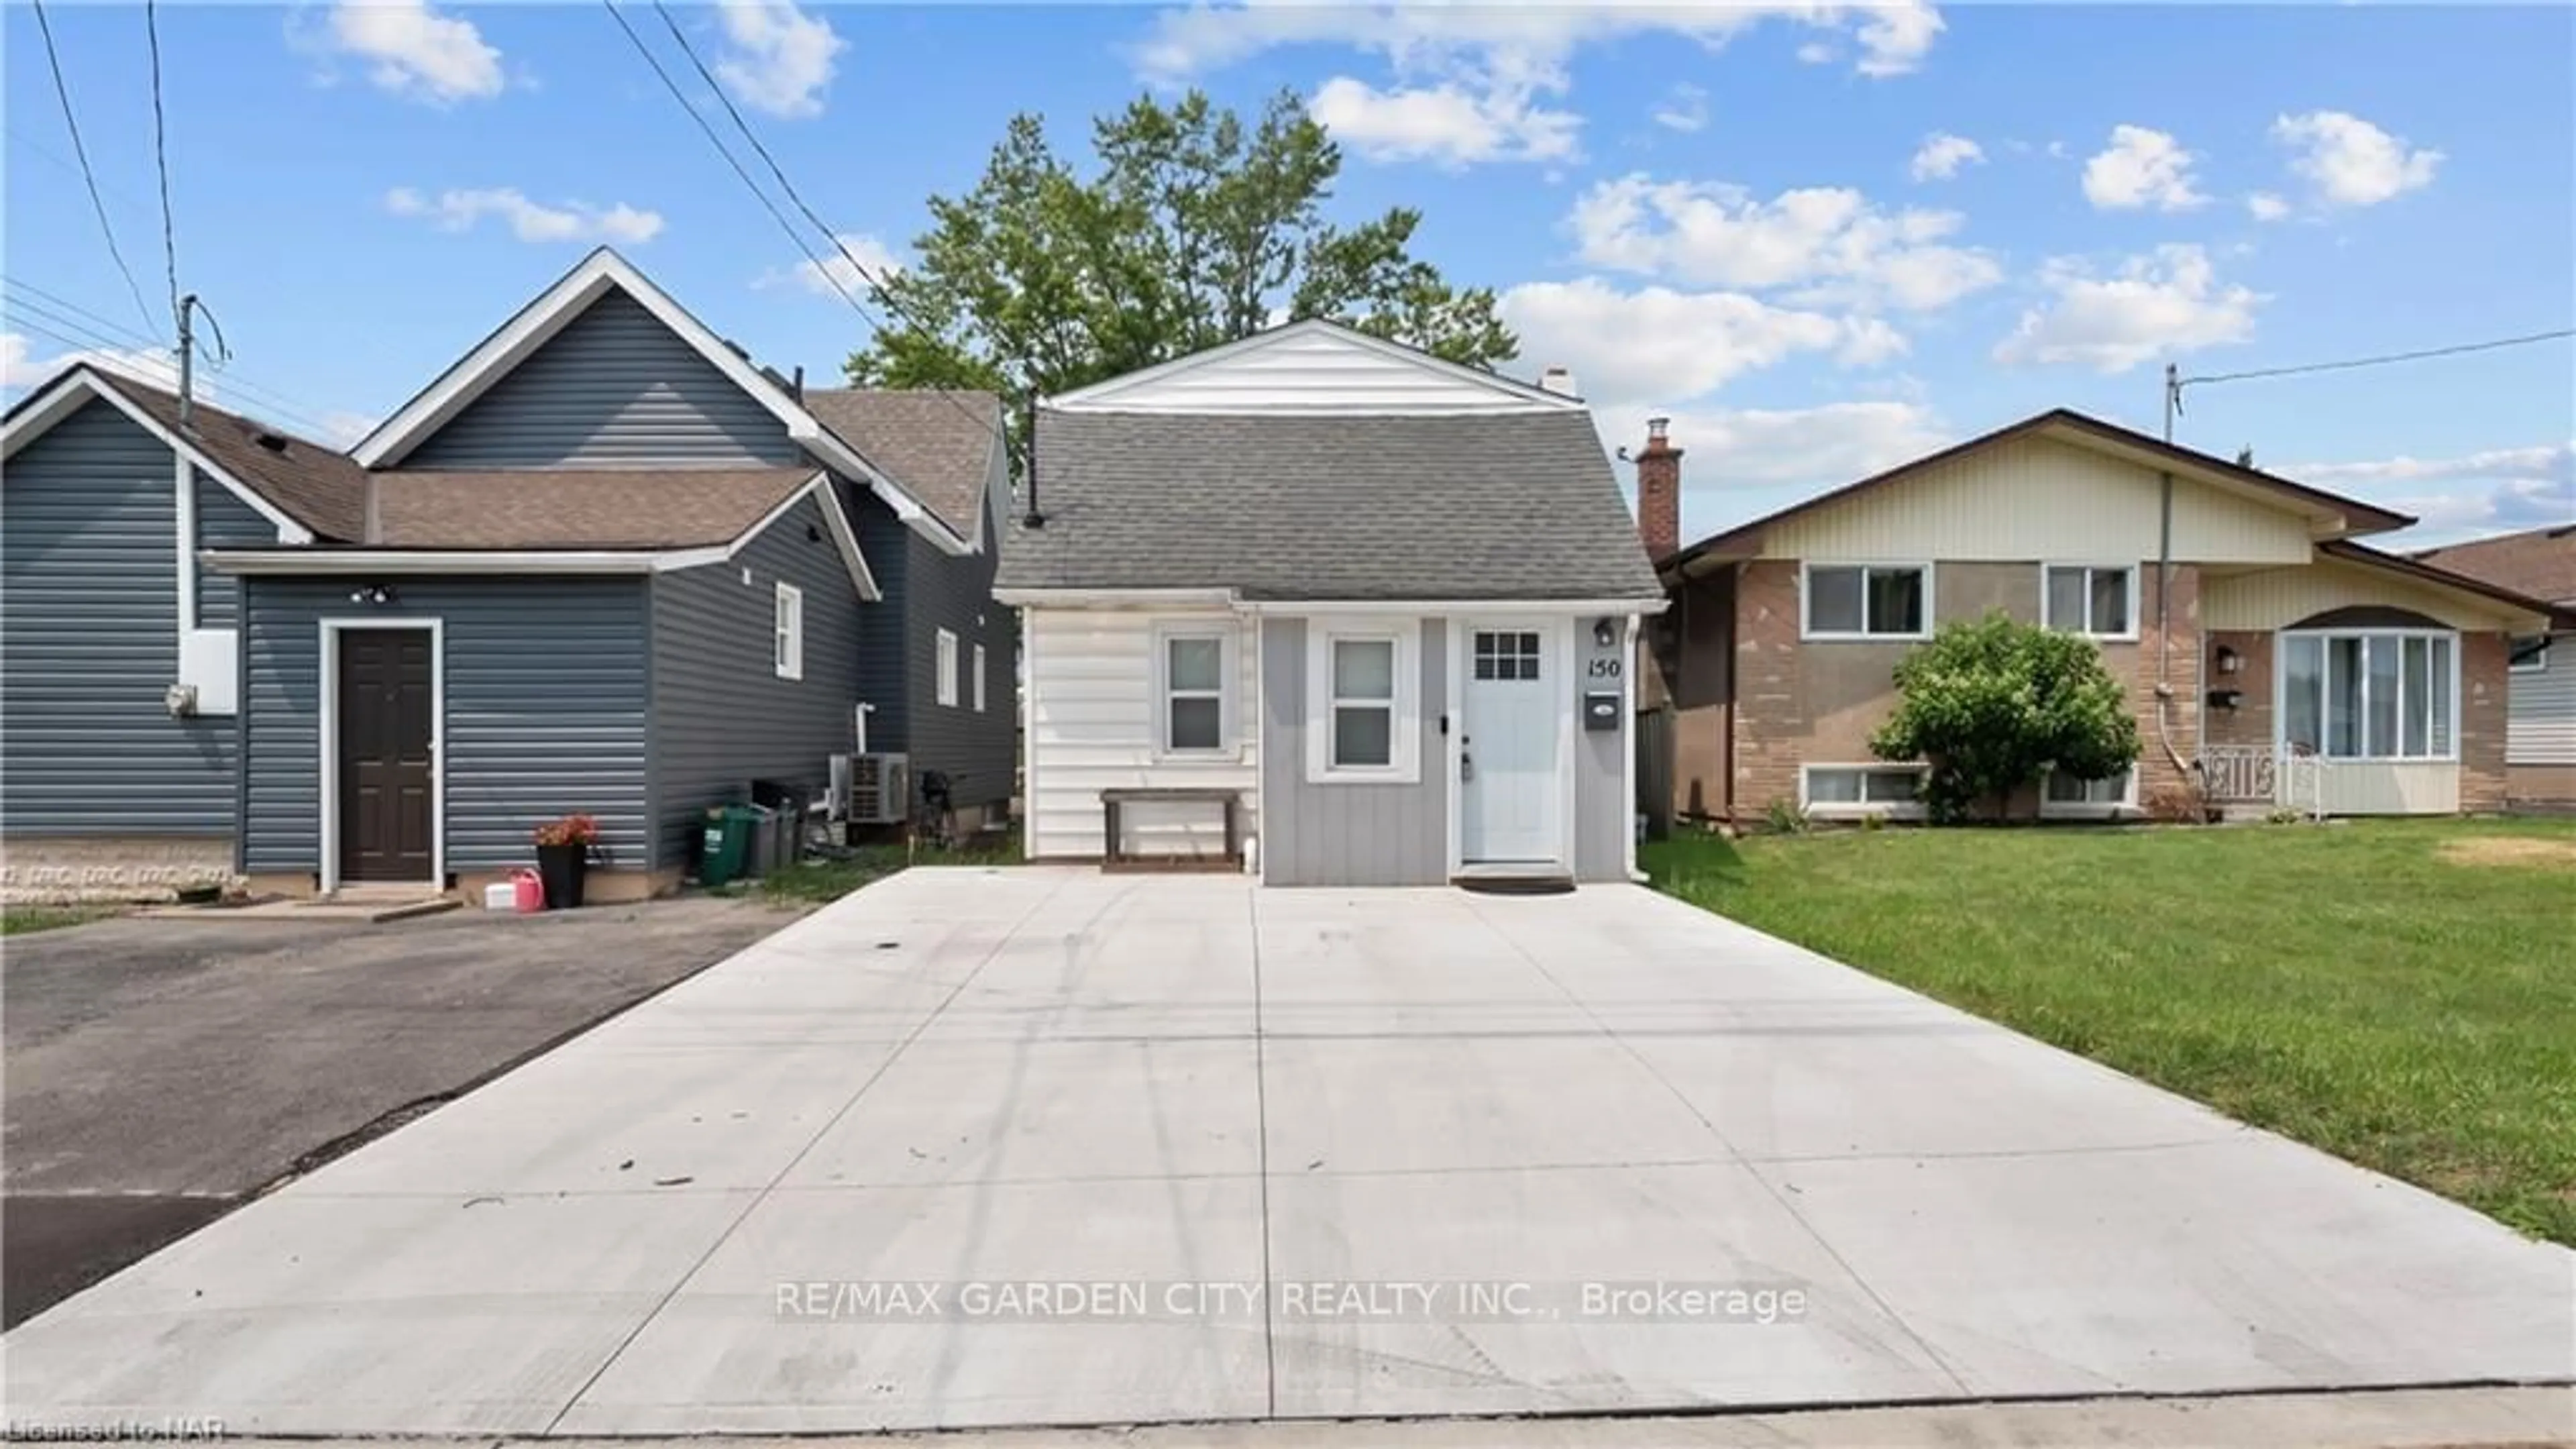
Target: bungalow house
603, 565
2540, 671
2270, 658
1324, 607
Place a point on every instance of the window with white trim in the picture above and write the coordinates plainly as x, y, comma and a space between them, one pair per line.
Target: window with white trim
2526, 654
1363, 714
2370, 695
1190, 667
1861, 789
948, 668
787, 632
1866, 601
2063, 792
979, 679
2090, 599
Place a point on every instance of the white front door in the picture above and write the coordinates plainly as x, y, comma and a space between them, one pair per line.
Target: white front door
1510, 794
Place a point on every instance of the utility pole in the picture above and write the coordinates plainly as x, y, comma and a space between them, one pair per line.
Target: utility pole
2173, 397
188, 368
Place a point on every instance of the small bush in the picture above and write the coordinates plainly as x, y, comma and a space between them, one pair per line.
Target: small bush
1874, 820
2286, 815
1786, 817
1991, 706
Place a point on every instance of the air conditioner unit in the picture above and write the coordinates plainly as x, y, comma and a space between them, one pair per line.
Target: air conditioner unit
880, 789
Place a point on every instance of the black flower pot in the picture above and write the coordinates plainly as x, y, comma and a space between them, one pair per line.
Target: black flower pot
562, 867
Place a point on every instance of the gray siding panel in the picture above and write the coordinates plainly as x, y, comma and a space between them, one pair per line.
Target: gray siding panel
224, 521
883, 641
979, 751
1348, 835
721, 715
89, 620
1604, 814
545, 712
614, 387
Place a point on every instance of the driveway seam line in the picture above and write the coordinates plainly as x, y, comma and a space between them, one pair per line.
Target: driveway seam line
1261, 1114
762, 1196
1732, 1151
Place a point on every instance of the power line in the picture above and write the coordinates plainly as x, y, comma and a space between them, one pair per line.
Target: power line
53, 317
161, 158
2419, 356
71, 123
858, 268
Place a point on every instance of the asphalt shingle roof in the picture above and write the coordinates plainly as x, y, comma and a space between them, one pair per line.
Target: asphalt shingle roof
314, 485
937, 443
1491, 506
2540, 562
589, 508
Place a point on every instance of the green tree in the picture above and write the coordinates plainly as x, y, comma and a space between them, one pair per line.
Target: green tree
1991, 705
1193, 229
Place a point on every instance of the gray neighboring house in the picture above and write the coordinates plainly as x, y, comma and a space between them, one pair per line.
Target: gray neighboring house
2540, 678
1382, 602
602, 565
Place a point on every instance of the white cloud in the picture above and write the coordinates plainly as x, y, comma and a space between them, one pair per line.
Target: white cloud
1450, 123
1738, 448
2546, 463
2483, 492
529, 221
1942, 154
2351, 162
1685, 108
2165, 303
21, 368
1819, 52
1829, 241
2267, 206
2141, 168
412, 50
836, 276
1657, 343
777, 59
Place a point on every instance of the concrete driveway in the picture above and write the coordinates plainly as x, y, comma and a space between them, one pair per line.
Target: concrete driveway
1047, 1147
161, 1070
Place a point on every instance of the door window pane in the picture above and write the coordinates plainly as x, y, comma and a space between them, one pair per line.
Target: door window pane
1834, 601
1895, 601
1363, 734
2303, 690
2343, 697
2383, 694
1364, 669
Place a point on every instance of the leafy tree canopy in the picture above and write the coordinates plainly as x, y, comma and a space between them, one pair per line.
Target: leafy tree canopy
1993, 704
1193, 229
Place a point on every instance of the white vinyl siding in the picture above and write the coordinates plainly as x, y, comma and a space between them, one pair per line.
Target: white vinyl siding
1307, 370
2038, 498
2279, 598
787, 632
947, 681
2540, 708
1092, 726
1850, 791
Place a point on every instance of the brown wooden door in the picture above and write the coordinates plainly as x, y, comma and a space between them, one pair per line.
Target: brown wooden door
385, 784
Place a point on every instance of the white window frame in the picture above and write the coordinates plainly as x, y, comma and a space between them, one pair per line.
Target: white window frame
1857, 809
1404, 750
787, 631
1226, 637
979, 679
946, 647
2047, 610
2127, 804
2539, 658
2325, 693
1806, 627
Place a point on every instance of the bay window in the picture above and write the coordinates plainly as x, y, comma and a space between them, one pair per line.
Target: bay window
2378, 695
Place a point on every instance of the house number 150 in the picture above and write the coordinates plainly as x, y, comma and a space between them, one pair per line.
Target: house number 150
1605, 668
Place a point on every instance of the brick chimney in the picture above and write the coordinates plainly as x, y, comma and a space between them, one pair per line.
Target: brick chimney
1659, 492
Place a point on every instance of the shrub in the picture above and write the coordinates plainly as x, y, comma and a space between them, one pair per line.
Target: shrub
1991, 705
570, 830
1785, 817
1874, 820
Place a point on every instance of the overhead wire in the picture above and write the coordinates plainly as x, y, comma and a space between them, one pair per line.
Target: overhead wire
89, 175
161, 159
2381, 360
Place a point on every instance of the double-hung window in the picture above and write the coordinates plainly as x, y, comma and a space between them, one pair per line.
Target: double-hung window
1190, 670
1867, 601
2370, 695
2091, 599
1363, 711
947, 662
787, 632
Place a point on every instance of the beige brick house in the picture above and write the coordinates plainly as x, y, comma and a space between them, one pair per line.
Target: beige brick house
2270, 659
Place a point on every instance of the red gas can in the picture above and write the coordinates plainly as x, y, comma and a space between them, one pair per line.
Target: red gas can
527, 891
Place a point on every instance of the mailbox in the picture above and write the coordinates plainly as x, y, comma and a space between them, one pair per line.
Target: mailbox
1601, 711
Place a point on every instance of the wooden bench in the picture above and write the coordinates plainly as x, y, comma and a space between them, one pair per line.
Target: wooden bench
1113, 855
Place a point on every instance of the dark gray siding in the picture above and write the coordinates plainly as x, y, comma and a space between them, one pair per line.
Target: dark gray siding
884, 640
223, 521
1348, 835
721, 715
89, 642
979, 751
545, 712
614, 387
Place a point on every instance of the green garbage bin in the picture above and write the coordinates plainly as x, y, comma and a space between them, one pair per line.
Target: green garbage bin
727, 842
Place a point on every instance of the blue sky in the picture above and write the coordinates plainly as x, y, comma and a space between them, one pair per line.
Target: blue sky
1822, 241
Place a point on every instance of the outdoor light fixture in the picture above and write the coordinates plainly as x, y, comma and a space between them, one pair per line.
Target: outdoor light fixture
2228, 660
376, 594
1604, 633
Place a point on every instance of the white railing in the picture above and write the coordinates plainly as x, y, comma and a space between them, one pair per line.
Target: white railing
2290, 776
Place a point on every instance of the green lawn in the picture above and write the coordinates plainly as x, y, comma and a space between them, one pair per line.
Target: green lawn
2400, 993
18, 920
817, 881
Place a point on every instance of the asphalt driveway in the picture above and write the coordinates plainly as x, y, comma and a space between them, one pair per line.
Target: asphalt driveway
1031, 1146
157, 1071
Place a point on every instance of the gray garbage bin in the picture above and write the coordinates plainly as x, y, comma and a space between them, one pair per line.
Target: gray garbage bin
764, 841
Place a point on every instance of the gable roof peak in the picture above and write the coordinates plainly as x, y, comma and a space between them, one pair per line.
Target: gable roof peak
1341, 369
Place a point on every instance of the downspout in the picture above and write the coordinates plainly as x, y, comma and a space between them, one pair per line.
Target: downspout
2164, 583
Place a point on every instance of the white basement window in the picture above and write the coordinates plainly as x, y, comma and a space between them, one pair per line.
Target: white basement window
979, 679
1191, 668
2064, 794
2370, 695
1363, 716
947, 668
1850, 790
787, 632
1866, 601
2092, 599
